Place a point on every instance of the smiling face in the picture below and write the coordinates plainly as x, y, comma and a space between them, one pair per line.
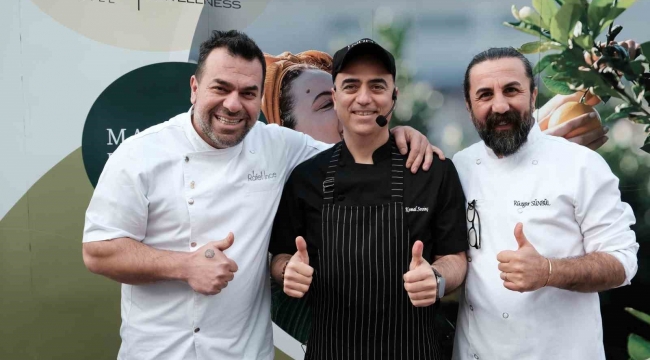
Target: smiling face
227, 98
364, 91
501, 104
313, 109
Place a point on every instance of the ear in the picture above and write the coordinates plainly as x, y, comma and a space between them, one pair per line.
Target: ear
533, 96
194, 87
468, 106
333, 90
395, 93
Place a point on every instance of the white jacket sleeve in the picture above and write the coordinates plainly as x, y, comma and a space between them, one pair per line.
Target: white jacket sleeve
603, 218
299, 147
119, 207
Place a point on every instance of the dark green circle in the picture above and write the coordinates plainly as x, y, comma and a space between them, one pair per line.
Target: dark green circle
138, 99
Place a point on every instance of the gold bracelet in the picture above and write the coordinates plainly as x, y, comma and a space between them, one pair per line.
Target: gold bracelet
550, 271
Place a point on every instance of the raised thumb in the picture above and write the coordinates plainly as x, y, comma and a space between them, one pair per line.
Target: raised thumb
301, 245
225, 243
519, 235
416, 260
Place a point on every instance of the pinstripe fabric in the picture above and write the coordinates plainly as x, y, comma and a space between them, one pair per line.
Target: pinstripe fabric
360, 307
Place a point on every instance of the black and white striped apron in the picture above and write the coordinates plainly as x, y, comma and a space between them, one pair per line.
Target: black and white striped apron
360, 308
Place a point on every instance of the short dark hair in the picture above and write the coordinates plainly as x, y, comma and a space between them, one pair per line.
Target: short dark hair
237, 43
495, 54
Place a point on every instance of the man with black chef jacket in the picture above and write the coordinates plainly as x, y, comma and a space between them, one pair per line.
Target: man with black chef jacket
371, 245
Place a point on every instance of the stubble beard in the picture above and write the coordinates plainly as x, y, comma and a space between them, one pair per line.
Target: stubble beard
223, 142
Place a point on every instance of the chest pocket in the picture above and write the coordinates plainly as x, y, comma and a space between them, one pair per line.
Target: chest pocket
260, 186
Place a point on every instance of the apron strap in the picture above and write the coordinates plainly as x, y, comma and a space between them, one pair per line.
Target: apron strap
397, 174
328, 184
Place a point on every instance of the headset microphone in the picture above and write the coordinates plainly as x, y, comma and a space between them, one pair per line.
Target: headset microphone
382, 119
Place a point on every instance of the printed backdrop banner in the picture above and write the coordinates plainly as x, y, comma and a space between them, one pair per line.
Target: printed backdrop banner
81, 76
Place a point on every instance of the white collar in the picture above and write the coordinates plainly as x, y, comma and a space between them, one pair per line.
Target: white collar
534, 134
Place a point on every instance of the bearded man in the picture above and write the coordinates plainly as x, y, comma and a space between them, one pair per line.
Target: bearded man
546, 227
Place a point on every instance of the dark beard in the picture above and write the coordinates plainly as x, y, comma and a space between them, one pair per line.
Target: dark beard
505, 142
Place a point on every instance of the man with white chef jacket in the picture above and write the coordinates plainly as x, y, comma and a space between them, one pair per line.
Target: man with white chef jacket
169, 192
546, 226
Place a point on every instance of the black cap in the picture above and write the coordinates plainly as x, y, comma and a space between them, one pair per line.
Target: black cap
362, 47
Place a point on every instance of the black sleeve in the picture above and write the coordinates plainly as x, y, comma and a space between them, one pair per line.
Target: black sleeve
289, 220
449, 226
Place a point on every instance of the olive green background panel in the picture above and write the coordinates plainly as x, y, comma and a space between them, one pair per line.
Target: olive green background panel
51, 306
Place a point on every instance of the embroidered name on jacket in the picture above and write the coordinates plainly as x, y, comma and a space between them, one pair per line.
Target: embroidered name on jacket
417, 209
262, 175
532, 203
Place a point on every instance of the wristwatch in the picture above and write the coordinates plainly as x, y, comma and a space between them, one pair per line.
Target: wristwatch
440, 280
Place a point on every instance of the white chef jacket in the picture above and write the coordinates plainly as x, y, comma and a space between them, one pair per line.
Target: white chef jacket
169, 189
568, 201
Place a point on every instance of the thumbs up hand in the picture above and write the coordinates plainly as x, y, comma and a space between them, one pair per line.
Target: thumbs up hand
420, 281
209, 269
524, 269
298, 273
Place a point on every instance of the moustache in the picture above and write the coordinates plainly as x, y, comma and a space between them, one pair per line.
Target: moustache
509, 117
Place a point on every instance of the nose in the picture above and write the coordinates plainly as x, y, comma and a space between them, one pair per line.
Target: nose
500, 104
232, 103
363, 96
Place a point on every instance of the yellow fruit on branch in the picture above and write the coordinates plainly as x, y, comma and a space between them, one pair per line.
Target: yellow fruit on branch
573, 109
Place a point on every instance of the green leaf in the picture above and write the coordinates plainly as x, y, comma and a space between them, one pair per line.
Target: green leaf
585, 41
639, 93
637, 347
546, 9
598, 10
632, 70
539, 46
639, 315
601, 13
624, 113
645, 49
528, 29
564, 21
544, 62
557, 87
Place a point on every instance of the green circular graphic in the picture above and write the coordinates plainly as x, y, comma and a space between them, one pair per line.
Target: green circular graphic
137, 100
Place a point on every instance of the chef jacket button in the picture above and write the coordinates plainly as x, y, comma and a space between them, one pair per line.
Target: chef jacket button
520, 210
190, 201
475, 356
469, 259
197, 330
471, 308
534, 162
340, 198
506, 315
193, 244
478, 161
187, 159
192, 185
252, 151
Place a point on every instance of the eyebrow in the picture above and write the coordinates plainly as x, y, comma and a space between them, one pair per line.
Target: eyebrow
373, 81
230, 85
324, 93
512, 83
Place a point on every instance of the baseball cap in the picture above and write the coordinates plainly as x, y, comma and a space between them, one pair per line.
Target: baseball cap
362, 47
